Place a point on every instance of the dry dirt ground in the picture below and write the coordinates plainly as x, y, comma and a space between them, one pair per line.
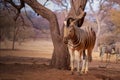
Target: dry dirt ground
30, 61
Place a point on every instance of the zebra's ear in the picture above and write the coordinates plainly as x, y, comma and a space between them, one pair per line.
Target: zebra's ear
65, 23
69, 21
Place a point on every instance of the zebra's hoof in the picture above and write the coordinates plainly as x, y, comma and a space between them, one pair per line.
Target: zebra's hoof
72, 73
78, 73
85, 72
82, 72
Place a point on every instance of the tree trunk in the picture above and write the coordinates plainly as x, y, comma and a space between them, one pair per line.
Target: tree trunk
14, 37
60, 58
98, 26
16, 30
98, 32
13, 44
76, 7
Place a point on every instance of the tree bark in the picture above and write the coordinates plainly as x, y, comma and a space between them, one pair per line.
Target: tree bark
14, 37
77, 6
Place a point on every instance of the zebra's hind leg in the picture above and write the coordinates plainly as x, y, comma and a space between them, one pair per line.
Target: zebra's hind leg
83, 67
89, 55
88, 58
86, 67
117, 57
78, 61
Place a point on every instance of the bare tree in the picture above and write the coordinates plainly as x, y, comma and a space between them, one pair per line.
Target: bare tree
60, 58
116, 1
16, 28
100, 15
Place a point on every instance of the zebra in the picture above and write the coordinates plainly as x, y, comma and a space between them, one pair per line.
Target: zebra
109, 50
81, 40
117, 51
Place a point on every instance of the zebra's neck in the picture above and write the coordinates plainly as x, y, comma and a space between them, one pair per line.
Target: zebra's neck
75, 40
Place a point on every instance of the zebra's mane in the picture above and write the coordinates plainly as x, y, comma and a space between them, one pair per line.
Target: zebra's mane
78, 31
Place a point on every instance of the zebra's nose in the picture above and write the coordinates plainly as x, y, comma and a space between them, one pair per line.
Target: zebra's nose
65, 40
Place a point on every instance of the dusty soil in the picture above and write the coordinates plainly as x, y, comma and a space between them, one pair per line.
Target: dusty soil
30, 61
24, 68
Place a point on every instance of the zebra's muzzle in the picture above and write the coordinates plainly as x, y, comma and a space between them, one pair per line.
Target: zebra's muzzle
65, 40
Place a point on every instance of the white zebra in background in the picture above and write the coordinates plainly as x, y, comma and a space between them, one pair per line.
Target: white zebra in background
80, 40
106, 49
113, 49
117, 51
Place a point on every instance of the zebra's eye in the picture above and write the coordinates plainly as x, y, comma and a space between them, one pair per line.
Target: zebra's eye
70, 30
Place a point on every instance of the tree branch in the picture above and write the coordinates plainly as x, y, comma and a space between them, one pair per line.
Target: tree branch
72, 3
45, 13
90, 5
77, 11
61, 3
18, 7
45, 2
116, 1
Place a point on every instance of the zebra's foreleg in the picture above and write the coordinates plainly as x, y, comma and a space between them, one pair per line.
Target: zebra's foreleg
78, 60
88, 54
109, 57
102, 58
106, 57
116, 58
72, 59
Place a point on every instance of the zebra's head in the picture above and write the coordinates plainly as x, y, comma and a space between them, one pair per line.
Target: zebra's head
69, 30
70, 25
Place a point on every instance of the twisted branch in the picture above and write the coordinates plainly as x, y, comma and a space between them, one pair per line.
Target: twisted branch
18, 7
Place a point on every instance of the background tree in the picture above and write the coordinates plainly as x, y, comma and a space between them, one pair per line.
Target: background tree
116, 1
100, 14
11, 29
115, 14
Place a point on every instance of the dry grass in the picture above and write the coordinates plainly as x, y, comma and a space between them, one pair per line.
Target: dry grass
39, 48
30, 60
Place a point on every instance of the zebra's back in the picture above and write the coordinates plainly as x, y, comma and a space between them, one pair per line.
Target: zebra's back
89, 36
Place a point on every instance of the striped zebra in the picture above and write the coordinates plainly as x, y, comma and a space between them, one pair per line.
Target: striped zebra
81, 40
106, 49
117, 51
109, 50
